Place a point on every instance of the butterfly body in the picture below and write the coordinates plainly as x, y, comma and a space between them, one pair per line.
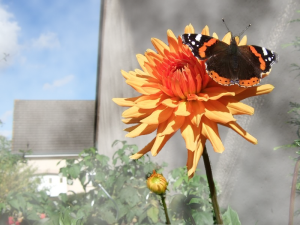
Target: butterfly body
230, 64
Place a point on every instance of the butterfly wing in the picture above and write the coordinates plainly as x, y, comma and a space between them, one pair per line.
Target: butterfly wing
203, 46
254, 62
215, 51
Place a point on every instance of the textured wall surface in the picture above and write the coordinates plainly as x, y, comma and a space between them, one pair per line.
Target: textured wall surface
254, 179
53, 127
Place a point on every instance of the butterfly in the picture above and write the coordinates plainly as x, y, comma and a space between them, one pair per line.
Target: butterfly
231, 64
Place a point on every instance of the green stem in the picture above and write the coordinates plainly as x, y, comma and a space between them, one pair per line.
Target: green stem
293, 192
212, 189
163, 198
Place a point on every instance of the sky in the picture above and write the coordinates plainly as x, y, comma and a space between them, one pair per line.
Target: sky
47, 52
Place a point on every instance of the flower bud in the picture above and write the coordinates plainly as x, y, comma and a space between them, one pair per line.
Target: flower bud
157, 183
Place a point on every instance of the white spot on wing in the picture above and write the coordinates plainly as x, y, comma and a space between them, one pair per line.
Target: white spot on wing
198, 37
193, 43
265, 51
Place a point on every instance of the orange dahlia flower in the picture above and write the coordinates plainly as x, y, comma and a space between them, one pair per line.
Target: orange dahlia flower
177, 94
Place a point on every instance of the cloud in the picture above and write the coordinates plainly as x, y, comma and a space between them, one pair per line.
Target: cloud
58, 83
5, 116
46, 40
9, 30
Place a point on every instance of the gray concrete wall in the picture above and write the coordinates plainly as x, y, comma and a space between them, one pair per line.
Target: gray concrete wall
255, 180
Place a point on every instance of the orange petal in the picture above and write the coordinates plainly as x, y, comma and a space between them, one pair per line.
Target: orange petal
237, 128
238, 108
210, 131
171, 102
137, 85
140, 129
227, 38
153, 57
205, 31
215, 93
254, 91
161, 114
142, 152
189, 29
215, 36
182, 109
136, 112
125, 101
159, 46
195, 157
141, 59
237, 40
243, 41
217, 112
190, 134
131, 120
150, 101
173, 43
197, 110
171, 126
159, 143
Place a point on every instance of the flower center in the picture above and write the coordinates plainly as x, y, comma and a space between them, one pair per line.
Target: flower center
182, 79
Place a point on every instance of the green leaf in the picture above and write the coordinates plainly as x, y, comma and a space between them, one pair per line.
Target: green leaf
230, 217
204, 218
63, 197
152, 213
108, 216
178, 182
103, 159
33, 216
14, 203
129, 195
74, 171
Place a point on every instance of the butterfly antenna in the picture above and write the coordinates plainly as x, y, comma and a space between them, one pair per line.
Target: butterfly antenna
225, 25
244, 30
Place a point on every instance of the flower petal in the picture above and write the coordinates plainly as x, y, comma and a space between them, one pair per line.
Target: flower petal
205, 31
190, 134
189, 29
215, 36
159, 143
235, 107
172, 40
227, 38
197, 110
171, 102
161, 114
159, 46
215, 93
183, 109
217, 112
210, 131
254, 91
150, 101
131, 120
243, 41
136, 112
140, 129
237, 39
143, 90
153, 57
172, 125
125, 101
194, 157
142, 152
237, 128
142, 59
